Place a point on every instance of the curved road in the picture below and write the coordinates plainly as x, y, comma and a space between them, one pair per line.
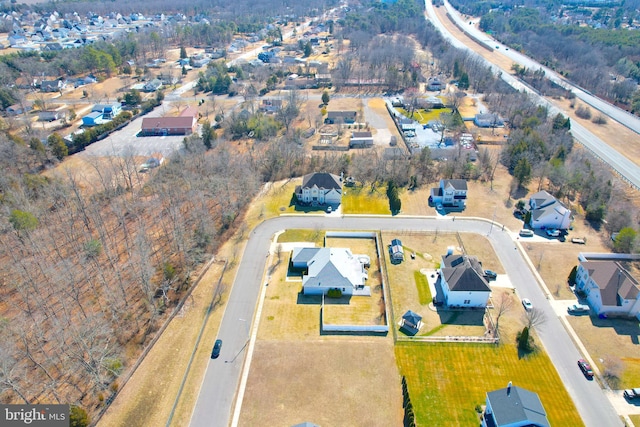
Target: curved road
624, 167
222, 377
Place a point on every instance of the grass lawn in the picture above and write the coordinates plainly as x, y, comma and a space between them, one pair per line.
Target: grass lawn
299, 235
424, 116
360, 200
447, 381
424, 293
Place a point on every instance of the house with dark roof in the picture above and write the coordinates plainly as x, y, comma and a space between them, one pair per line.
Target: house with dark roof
450, 193
396, 251
462, 281
411, 323
547, 212
609, 287
514, 407
361, 140
331, 268
435, 83
320, 189
108, 111
340, 117
271, 106
488, 120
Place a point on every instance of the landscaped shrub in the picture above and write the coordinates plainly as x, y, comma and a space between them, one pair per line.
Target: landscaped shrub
583, 112
334, 293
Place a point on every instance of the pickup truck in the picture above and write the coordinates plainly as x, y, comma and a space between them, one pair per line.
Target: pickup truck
578, 309
632, 393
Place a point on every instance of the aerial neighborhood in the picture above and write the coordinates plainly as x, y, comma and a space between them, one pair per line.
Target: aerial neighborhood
320, 214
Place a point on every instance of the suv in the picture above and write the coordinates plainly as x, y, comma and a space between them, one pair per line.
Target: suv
525, 232
216, 349
585, 367
490, 275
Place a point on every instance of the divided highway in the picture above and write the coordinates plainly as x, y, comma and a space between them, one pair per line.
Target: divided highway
624, 167
222, 378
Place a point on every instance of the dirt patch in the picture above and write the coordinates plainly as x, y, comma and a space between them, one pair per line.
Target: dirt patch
329, 383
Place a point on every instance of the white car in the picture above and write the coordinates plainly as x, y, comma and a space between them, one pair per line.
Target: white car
553, 232
526, 303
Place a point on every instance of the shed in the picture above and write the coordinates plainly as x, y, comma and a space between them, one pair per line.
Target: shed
411, 323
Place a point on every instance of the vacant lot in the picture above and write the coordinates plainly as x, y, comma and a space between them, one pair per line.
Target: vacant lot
447, 381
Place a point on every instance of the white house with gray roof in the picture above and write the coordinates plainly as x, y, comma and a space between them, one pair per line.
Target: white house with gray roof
547, 212
514, 407
320, 189
331, 268
462, 280
450, 193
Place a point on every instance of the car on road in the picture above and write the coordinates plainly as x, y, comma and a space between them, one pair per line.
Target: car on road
632, 393
216, 349
585, 367
552, 232
526, 303
577, 309
525, 232
490, 275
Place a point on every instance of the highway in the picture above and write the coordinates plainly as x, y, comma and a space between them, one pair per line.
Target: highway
222, 379
629, 120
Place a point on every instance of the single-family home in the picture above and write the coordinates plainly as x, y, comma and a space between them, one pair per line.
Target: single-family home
108, 111
270, 105
396, 251
16, 109
435, 84
450, 193
92, 119
330, 268
462, 280
514, 406
411, 323
488, 120
609, 287
319, 189
361, 140
153, 85
52, 85
547, 212
340, 117
51, 115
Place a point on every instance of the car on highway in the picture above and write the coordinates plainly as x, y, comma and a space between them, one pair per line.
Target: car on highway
216, 349
526, 303
632, 393
490, 275
585, 367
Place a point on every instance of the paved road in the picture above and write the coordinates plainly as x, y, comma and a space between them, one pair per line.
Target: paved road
222, 378
625, 168
617, 114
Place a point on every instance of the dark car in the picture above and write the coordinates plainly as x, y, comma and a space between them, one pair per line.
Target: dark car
490, 275
216, 349
585, 367
632, 394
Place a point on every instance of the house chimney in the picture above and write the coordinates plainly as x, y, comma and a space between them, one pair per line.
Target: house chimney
509, 389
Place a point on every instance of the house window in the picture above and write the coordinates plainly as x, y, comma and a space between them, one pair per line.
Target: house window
467, 301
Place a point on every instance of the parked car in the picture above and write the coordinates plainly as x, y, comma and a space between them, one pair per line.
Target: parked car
216, 349
439, 207
329, 209
632, 393
578, 309
578, 240
585, 367
525, 232
526, 303
490, 275
552, 232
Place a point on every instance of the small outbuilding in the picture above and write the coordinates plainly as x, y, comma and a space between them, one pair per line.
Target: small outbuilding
411, 323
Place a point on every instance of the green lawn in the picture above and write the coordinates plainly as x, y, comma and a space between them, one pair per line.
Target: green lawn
299, 235
424, 116
360, 200
424, 293
447, 381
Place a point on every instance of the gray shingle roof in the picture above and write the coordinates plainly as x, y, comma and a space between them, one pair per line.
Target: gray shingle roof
613, 280
518, 406
322, 180
463, 273
457, 184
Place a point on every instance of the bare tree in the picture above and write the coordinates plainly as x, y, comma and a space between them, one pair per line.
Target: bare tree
534, 317
502, 305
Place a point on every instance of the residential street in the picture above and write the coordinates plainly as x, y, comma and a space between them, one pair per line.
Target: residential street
223, 377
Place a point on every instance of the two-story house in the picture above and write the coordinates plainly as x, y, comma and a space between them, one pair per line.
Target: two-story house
547, 212
462, 280
320, 189
450, 193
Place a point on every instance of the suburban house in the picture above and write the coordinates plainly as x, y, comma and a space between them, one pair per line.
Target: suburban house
514, 407
153, 85
411, 323
340, 117
52, 85
271, 106
184, 124
16, 109
320, 189
108, 111
51, 115
488, 120
547, 212
92, 119
331, 268
396, 251
609, 287
451, 193
462, 280
435, 84
361, 140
